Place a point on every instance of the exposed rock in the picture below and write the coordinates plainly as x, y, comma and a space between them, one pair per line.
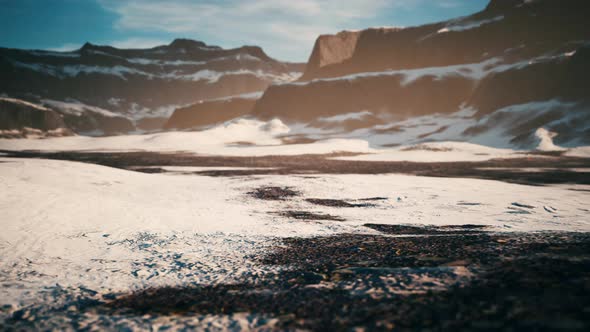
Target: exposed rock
387, 95
273, 193
19, 118
506, 28
139, 83
89, 120
332, 49
210, 112
510, 54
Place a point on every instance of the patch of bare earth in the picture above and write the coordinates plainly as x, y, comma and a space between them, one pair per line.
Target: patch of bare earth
309, 216
459, 282
273, 193
556, 168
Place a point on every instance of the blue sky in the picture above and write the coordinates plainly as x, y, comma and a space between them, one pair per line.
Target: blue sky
286, 29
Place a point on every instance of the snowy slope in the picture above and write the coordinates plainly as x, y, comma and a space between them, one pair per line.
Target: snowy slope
108, 230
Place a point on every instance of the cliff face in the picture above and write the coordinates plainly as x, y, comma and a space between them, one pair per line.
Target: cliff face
211, 112
514, 53
18, 118
140, 84
332, 49
522, 28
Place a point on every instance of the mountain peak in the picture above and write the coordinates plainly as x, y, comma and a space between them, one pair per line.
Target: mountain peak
87, 45
186, 44
495, 5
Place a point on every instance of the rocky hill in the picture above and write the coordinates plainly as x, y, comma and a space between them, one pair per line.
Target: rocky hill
142, 85
212, 112
515, 54
19, 118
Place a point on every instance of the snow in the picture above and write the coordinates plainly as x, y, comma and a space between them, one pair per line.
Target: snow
109, 230
77, 108
24, 103
211, 76
238, 57
75, 70
119, 71
546, 140
251, 95
55, 54
138, 112
582, 152
346, 116
159, 62
496, 129
32, 133
115, 101
474, 71
436, 152
210, 141
438, 137
532, 169
191, 169
468, 25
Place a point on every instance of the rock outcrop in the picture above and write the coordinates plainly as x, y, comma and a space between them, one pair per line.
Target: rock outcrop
141, 83
514, 52
211, 112
332, 49
523, 29
19, 118
90, 120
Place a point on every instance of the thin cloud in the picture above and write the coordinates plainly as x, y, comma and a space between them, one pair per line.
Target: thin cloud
65, 47
285, 28
124, 43
138, 43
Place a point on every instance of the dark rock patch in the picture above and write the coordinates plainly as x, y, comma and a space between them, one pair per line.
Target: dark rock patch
495, 169
374, 199
468, 203
274, 193
521, 282
309, 216
429, 230
337, 203
149, 170
520, 205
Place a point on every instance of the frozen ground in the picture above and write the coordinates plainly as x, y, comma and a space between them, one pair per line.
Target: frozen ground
211, 229
249, 137
74, 230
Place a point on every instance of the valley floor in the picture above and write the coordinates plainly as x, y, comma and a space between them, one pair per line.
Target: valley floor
174, 240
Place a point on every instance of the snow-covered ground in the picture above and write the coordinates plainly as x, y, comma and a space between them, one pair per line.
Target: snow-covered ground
220, 140
110, 230
409, 140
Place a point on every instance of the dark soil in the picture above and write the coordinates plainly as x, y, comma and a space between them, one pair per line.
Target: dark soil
309, 216
374, 199
274, 193
430, 230
337, 203
538, 282
559, 172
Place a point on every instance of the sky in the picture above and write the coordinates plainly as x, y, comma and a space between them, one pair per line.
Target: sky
285, 29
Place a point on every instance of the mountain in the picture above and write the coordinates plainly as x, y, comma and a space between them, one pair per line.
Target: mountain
504, 72
142, 85
211, 112
19, 118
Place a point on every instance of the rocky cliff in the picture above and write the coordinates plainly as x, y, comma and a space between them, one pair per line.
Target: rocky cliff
19, 118
210, 112
140, 84
515, 52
